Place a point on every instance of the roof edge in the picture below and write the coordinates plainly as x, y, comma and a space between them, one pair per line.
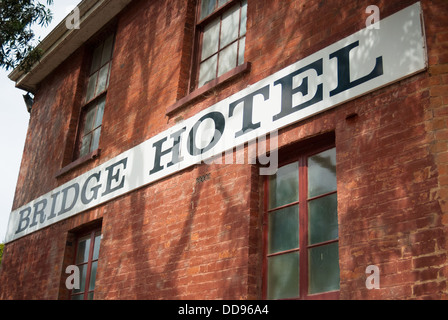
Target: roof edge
61, 42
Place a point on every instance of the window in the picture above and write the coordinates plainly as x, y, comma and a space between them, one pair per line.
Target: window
222, 36
302, 251
95, 98
86, 259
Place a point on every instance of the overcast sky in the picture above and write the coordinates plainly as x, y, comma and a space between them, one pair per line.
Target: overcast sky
14, 122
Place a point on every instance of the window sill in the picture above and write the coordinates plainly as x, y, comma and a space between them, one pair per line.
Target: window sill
244, 68
78, 162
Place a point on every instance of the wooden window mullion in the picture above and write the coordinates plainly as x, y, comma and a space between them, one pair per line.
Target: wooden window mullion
303, 227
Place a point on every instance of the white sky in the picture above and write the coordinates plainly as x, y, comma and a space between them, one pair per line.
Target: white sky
14, 122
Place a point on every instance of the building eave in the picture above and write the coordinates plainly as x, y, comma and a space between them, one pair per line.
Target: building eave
61, 42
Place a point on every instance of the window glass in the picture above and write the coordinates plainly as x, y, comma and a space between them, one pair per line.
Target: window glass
102, 80
302, 225
230, 24
284, 186
243, 18
93, 275
210, 39
207, 7
107, 50
100, 112
85, 145
224, 36
91, 87
222, 2
324, 268
92, 113
83, 250
96, 248
242, 46
208, 70
96, 60
95, 139
228, 59
322, 173
283, 229
90, 119
77, 297
108, 75
323, 219
99, 71
87, 255
82, 278
283, 276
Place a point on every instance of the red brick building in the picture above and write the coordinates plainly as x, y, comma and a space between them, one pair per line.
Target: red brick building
110, 180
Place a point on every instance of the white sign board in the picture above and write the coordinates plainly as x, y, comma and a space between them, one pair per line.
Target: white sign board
354, 66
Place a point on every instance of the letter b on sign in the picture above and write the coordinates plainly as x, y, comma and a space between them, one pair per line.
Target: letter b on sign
373, 281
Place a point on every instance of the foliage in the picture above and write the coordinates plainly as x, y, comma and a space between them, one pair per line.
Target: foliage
16, 35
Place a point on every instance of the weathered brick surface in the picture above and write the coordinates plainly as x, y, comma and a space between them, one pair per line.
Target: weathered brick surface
180, 239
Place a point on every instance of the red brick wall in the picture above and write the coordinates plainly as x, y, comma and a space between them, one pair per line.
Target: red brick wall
184, 239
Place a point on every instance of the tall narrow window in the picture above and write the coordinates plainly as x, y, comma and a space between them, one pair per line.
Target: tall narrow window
86, 259
221, 27
302, 252
89, 130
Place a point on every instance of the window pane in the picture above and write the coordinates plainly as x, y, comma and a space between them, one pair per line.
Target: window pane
96, 248
222, 2
230, 26
210, 40
283, 276
324, 268
323, 219
284, 186
242, 48
322, 173
227, 59
284, 229
82, 254
207, 71
207, 7
100, 112
90, 118
108, 75
108, 48
93, 276
243, 18
91, 87
85, 145
102, 80
96, 61
78, 297
95, 139
82, 279
90, 296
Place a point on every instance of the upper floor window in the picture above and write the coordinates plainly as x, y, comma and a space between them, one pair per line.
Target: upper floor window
100, 69
221, 26
302, 251
89, 129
